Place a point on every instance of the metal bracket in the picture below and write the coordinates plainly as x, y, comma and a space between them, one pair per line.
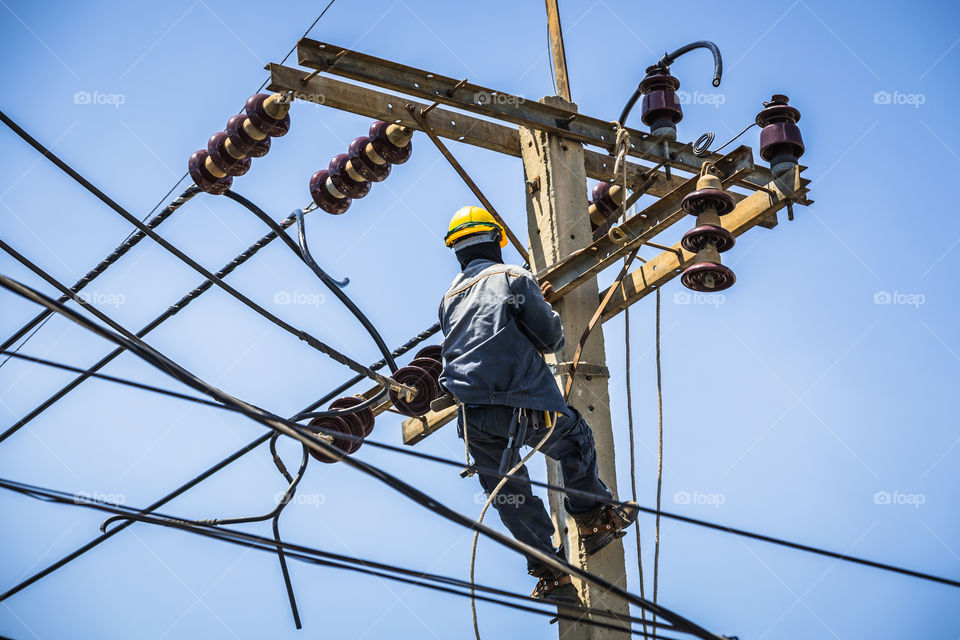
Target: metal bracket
583, 368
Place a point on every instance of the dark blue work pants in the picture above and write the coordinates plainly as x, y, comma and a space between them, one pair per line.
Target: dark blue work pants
571, 444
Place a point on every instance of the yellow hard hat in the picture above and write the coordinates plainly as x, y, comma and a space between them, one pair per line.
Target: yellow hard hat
469, 221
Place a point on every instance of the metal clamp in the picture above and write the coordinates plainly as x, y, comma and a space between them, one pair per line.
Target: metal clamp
583, 368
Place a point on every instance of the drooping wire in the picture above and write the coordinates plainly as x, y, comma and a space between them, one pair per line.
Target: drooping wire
303, 252
131, 241
223, 463
495, 472
158, 360
302, 553
320, 346
701, 147
656, 547
37, 323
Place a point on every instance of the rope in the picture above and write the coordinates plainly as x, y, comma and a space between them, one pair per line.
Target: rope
551, 425
656, 548
633, 456
621, 148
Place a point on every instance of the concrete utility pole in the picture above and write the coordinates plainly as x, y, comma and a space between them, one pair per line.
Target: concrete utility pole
558, 227
549, 136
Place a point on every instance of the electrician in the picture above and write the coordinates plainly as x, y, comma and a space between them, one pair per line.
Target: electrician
497, 324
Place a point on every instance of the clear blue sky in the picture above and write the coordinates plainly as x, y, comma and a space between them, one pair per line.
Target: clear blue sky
786, 409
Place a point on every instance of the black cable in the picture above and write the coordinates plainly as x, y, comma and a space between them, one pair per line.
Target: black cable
664, 66
302, 335
171, 311
130, 242
158, 360
303, 252
233, 457
294, 47
38, 322
114, 379
496, 473
551, 487
293, 550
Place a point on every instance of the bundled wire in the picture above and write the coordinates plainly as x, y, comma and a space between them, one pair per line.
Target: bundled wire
302, 335
306, 554
292, 429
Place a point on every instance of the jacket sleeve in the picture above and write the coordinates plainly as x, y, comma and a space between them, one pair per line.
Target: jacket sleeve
535, 317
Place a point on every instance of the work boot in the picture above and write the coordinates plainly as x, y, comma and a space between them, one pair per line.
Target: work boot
557, 589
601, 526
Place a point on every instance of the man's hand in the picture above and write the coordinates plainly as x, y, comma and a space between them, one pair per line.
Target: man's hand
547, 289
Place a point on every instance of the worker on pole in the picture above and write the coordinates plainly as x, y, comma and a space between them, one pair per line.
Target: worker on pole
497, 325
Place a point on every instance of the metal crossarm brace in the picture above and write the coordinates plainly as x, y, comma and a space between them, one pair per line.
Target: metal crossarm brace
330, 58
748, 213
364, 101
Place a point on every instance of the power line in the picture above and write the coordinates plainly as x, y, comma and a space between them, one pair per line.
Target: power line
496, 473
236, 455
303, 553
160, 361
317, 344
134, 236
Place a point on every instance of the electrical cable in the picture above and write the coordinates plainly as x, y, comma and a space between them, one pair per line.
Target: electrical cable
302, 335
197, 479
664, 66
495, 472
303, 252
130, 242
656, 534
158, 360
38, 322
701, 148
296, 551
